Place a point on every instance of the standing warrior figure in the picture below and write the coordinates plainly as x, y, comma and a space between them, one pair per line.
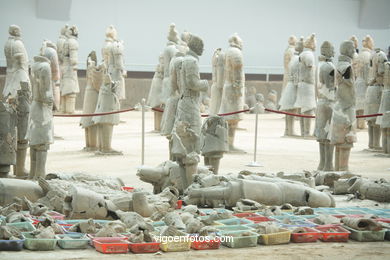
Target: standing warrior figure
326, 98
112, 52
69, 81
288, 55
373, 98
185, 138
355, 60
108, 101
40, 128
362, 77
17, 92
49, 50
218, 77
306, 98
94, 81
8, 138
233, 89
384, 121
342, 129
154, 97
289, 94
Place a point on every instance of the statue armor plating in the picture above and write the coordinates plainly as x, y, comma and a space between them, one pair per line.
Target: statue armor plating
233, 89
326, 98
94, 81
40, 128
218, 63
69, 82
342, 133
306, 100
17, 92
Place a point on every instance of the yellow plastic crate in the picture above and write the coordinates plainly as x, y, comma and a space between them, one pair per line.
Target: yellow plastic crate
175, 246
282, 237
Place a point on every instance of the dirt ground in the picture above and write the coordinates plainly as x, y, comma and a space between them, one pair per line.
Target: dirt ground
275, 152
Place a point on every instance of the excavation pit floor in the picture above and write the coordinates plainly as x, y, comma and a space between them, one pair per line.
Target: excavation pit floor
275, 152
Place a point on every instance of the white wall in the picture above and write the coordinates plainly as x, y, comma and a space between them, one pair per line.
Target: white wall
264, 25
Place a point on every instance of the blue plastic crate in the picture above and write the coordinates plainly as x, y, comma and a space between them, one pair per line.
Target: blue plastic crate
234, 221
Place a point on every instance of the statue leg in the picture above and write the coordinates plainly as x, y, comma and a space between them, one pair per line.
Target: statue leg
214, 162
157, 121
107, 138
345, 150
307, 124
337, 158
387, 140
376, 136
206, 160
232, 124
63, 104
286, 128
370, 135
41, 156
21, 152
301, 123
93, 140
33, 163
322, 156
70, 103
360, 121
4, 170
329, 148
291, 123
100, 136
87, 133
190, 163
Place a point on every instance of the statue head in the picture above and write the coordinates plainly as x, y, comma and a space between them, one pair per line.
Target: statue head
195, 44
299, 45
292, 40
72, 31
355, 41
378, 62
14, 30
386, 79
235, 41
347, 48
64, 29
111, 32
327, 49
368, 42
173, 34
92, 58
185, 36
310, 42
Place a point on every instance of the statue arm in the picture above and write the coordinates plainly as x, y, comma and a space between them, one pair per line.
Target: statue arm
221, 70
193, 80
55, 67
73, 53
46, 92
239, 79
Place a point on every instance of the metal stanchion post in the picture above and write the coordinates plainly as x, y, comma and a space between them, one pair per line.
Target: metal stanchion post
143, 131
254, 163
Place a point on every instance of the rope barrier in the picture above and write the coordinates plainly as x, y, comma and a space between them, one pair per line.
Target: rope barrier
206, 115
289, 114
95, 114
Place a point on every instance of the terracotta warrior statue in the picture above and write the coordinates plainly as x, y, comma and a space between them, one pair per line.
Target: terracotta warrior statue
233, 89
60, 48
289, 93
373, 98
326, 98
40, 130
17, 92
112, 53
94, 81
214, 141
108, 101
69, 81
218, 77
49, 50
384, 121
288, 55
306, 100
185, 137
342, 128
154, 97
7, 138
362, 76
355, 60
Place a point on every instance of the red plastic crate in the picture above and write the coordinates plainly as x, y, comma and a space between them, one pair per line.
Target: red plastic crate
258, 219
245, 215
310, 235
56, 215
129, 189
179, 204
116, 247
139, 248
340, 236
105, 239
386, 220
206, 245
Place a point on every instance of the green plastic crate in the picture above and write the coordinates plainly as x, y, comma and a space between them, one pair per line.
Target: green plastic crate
73, 241
366, 236
22, 226
37, 244
234, 239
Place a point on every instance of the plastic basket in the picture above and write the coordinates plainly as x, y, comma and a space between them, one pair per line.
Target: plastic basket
245, 215
366, 236
234, 239
387, 234
224, 228
179, 246
113, 247
93, 239
12, 245
37, 244
282, 237
290, 217
73, 241
259, 219
205, 212
340, 234
56, 215
299, 223
206, 244
140, 248
233, 221
129, 189
22, 226
310, 235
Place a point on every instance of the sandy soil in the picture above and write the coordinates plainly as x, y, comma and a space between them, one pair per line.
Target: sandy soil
275, 152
